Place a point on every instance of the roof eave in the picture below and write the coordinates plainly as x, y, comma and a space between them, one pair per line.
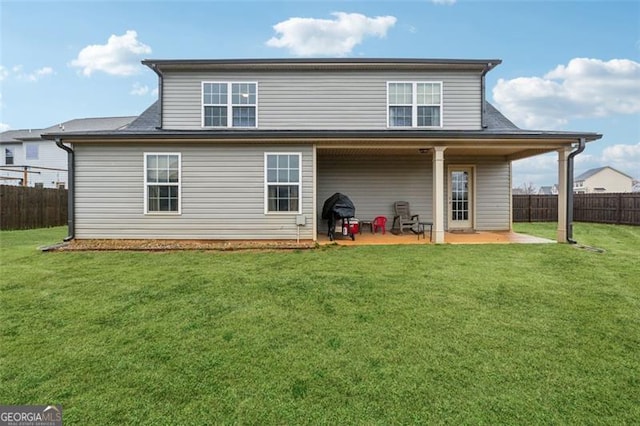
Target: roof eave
567, 137
322, 63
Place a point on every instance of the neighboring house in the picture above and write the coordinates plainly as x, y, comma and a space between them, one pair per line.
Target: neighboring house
251, 149
602, 180
29, 160
548, 190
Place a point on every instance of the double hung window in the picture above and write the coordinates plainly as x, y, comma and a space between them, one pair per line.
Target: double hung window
226, 104
414, 104
282, 182
162, 183
8, 156
32, 151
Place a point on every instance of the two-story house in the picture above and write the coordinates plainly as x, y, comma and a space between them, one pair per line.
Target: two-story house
250, 149
602, 180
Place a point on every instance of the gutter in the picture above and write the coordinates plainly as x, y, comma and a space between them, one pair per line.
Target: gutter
581, 146
156, 69
71, 184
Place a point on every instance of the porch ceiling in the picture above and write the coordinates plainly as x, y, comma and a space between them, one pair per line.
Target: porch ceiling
507, 152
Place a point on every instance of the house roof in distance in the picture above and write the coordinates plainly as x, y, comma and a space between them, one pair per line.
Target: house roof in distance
591, 172
75, 125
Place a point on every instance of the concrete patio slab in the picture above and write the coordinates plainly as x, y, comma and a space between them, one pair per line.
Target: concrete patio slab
479, 237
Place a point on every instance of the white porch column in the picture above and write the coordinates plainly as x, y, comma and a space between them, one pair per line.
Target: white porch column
438, 194
563, 156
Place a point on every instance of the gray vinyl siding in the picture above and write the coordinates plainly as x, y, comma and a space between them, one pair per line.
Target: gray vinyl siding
492, 198
222, 194
493, 201
375, 182
321, 100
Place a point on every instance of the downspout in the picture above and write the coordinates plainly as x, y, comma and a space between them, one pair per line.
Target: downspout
155, 69
71, 184
581, 146
486, 69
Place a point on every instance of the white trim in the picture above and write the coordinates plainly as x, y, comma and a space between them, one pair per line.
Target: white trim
179, 185
471, 193
314, 200
510, 195
229, 105
414, 105
266, 184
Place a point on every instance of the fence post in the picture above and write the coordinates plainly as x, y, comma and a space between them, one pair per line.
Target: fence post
619, 210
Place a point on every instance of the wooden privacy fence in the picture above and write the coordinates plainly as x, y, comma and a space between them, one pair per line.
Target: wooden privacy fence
27, 208
619, 208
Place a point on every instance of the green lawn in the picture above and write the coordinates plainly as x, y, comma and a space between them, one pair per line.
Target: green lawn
493, 334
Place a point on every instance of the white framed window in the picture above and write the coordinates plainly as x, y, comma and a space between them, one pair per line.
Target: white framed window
282, 182
162, 183
414, 104
32, 151
8, 156
229, 104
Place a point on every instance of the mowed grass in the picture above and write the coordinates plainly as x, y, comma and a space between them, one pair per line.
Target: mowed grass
486, 334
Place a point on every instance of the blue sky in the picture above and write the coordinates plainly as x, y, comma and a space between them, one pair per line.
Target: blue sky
567, 65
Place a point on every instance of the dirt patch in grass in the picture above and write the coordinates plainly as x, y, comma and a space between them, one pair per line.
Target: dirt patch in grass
165, 245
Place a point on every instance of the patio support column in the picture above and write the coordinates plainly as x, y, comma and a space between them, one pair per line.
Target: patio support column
438, 194
563, 156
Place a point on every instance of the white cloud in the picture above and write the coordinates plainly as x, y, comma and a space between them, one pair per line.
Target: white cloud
120, 56
325, 37
139, 90
539, 170
447, 2
17, 71
584, 88
623, 157
36, 75
4, 127
154, 92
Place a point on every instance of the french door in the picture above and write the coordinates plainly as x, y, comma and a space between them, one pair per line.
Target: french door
460, 196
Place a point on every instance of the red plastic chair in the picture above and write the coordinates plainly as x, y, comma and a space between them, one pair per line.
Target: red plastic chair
380, 222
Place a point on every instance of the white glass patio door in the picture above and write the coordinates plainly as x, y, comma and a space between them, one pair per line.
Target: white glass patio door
460, 197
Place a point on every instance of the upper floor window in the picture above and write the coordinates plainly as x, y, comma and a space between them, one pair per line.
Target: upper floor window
32, 151
8, 156
414, 104
227, 104
162, 183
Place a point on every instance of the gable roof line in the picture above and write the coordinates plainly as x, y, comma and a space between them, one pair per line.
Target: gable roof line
591, 172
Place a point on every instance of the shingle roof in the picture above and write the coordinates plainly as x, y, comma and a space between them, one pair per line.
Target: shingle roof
91, 124
591, 172
494, 119
75, 125
149, 120
18, 136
